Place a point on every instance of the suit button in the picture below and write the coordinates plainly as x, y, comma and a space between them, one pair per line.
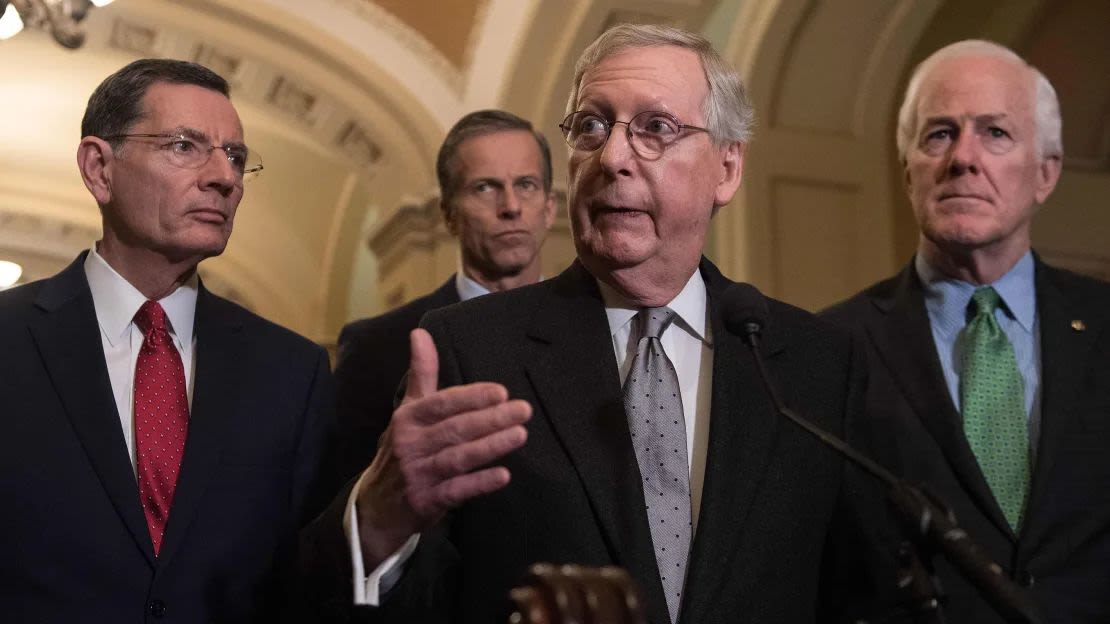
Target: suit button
1025, 579
157, 608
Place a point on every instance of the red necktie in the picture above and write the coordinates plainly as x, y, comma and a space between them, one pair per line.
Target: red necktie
161, 418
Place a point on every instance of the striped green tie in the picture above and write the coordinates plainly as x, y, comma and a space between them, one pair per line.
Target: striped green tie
993, 402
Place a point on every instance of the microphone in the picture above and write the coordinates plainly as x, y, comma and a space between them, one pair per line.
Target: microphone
932, 524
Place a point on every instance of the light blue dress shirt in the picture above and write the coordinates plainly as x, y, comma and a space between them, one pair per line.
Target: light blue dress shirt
947, 300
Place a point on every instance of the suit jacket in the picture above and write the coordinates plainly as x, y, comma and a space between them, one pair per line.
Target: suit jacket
1063, 551
774, 498
75, 542
373, 359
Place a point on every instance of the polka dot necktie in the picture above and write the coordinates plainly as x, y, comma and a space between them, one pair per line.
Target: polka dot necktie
161, 418
993, 403
653, 405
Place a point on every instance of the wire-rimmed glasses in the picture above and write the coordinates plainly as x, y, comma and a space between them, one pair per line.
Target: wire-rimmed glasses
649, 132
193, 152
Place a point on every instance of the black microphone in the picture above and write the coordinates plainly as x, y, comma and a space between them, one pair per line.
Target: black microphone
746, 314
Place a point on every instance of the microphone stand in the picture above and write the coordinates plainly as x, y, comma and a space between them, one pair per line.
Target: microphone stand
933, 527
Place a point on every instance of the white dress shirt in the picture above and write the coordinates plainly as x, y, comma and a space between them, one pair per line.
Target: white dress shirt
690, 350
116, 301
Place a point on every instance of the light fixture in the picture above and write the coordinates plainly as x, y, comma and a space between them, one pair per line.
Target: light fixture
10, 22
61, 18
9, 274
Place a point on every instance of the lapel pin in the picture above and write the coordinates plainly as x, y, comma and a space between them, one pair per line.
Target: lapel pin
1078, 325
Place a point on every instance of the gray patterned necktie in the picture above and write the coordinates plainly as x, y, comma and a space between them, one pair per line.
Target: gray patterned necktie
653, 405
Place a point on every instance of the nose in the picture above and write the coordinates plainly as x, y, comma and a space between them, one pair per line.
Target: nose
218, 173
510, 206
964, 155
617, 152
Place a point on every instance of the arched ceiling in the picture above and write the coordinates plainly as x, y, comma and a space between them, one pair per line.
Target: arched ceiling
346, 100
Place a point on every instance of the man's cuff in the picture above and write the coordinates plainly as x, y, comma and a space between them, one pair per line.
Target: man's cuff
369, 589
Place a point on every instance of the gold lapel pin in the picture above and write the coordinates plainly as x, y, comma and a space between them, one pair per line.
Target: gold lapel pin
1078, 325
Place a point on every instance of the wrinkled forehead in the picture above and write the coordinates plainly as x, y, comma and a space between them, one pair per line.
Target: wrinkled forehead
664, 77
977, 86
171, 106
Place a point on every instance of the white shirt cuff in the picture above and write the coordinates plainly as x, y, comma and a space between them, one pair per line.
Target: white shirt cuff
370, 588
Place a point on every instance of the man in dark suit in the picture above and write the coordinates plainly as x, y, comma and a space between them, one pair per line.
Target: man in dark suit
494, 175
720, 510
1021, 460
159, 443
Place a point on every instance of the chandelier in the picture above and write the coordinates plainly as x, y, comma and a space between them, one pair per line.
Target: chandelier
61, 18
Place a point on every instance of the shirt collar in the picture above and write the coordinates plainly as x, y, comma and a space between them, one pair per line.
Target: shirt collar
468, 288
116, 302
948, 298
689, 306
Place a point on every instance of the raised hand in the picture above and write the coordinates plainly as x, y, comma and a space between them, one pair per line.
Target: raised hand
431, 456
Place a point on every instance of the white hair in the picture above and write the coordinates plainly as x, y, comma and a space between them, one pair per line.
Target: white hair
728, 112
1046, 107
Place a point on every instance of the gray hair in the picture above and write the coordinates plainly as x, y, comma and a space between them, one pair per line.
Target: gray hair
1046, 107
728, 112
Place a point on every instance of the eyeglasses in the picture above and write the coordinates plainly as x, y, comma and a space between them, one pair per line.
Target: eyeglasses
195, 152
649, 132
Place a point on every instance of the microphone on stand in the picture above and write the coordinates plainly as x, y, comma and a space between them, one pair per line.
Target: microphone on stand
745, 314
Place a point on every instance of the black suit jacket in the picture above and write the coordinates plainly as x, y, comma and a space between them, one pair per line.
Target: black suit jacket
1063, 551
74, 540
373, 359
774, 498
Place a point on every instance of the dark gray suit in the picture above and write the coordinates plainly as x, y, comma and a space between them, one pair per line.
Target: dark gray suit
1063, 552
776, 505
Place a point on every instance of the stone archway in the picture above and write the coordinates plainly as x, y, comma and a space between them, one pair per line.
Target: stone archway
822, 211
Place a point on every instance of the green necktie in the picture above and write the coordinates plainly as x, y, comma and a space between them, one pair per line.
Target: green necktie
993, 400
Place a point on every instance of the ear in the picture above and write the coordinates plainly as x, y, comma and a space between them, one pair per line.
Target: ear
732, 170
549, 208
1048, 174
95, 160
449, 217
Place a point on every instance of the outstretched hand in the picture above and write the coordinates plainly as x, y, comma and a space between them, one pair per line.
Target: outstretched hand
431, 456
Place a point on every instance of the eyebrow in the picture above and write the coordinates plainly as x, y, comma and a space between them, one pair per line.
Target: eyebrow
951, 119
197, 135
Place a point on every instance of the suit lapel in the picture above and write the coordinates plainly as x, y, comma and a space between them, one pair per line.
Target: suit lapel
68, 340
574, 374
219, 357
905, 344
1064, 359
743, 429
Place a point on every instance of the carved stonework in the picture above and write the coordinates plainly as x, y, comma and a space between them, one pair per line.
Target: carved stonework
292, 98
220, 61
138, 39
414, 251
259, 81
356, 143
